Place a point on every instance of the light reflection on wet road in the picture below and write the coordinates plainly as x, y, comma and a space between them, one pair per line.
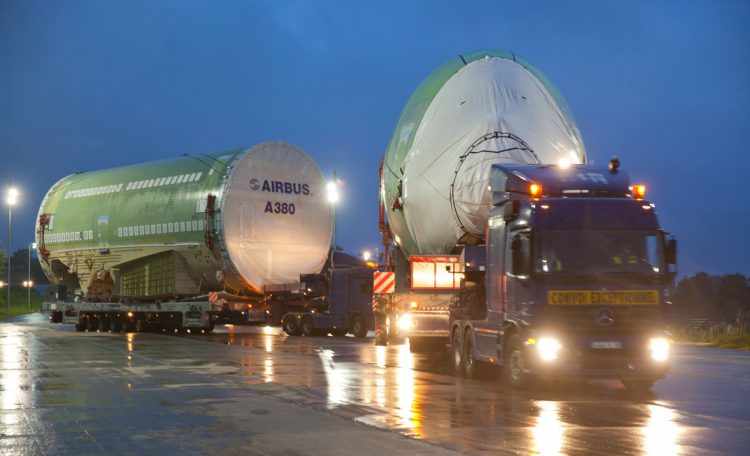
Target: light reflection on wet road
699, 409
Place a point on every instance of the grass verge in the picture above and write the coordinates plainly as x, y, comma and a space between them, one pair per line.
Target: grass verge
19, 304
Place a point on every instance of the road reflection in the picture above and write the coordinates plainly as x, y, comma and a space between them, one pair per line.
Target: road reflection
548, 431
406, 390
661, 434
389, 387
12, 365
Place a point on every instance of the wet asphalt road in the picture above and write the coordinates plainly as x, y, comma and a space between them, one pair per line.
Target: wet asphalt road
257, 391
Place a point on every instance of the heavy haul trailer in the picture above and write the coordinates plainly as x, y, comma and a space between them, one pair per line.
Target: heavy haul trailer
575, 281
477, 110
192, 316
244, 224
337, 302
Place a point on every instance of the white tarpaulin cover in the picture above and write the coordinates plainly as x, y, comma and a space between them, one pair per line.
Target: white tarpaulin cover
492, 110
277, 224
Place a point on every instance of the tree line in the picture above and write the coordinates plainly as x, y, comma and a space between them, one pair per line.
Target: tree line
20, 268
718, 298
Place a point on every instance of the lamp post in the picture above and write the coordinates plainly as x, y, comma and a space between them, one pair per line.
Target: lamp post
11, 198
332, 194
32, 246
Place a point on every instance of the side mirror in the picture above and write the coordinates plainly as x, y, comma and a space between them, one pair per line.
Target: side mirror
670, 253
519, 256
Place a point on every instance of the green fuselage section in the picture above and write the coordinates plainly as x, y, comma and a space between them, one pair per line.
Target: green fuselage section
101, 219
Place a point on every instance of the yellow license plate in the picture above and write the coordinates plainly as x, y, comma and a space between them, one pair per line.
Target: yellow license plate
603, 298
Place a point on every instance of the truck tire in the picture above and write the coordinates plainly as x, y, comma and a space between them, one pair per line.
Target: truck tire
513, 365
291, 325
338, 332
359, 328
308, 327
471, 365
91, 323
116, 325
457, 355
129, 326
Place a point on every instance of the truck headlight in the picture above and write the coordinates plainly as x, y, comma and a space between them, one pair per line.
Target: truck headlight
548, 348
405, 322
659, 348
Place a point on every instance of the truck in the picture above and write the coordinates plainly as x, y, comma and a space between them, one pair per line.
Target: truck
338, 302
575, 282
185, 243
476, 110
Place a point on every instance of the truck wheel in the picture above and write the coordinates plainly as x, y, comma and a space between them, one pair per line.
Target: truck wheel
338, 332
457, 360
359, 329
308, 329
638, 386
291, 325
116, 325
471, 367
514, 366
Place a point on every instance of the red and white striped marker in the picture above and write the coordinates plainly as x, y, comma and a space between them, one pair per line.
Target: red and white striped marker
384, 282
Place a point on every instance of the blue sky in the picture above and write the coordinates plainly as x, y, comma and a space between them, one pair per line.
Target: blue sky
664, 85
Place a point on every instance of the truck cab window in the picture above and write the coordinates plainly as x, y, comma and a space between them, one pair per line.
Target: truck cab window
582, 252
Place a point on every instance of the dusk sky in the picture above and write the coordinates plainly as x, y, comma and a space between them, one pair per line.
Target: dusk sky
92, 85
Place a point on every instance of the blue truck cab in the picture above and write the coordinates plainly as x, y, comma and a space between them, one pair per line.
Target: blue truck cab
338, 301
575, 282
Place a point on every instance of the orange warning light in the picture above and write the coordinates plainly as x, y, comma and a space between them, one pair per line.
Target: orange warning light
638, 191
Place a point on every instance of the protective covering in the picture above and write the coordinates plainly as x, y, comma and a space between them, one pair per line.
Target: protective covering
490, 108
277, 224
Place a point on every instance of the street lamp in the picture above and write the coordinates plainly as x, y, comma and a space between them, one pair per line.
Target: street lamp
32, 246
366, 255
11, 199
333, 196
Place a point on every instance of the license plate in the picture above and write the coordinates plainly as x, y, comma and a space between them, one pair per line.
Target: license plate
606, 345
602, 297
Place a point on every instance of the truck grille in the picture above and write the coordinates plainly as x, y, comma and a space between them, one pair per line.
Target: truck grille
603, 319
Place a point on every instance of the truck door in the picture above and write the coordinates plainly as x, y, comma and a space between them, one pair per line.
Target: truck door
338, 297
519, 292
360, 296
488, 328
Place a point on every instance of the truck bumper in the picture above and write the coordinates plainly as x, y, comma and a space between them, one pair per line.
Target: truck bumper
598, 366
433, 324
626, 369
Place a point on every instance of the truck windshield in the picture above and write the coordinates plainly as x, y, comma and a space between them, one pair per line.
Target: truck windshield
592, 252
